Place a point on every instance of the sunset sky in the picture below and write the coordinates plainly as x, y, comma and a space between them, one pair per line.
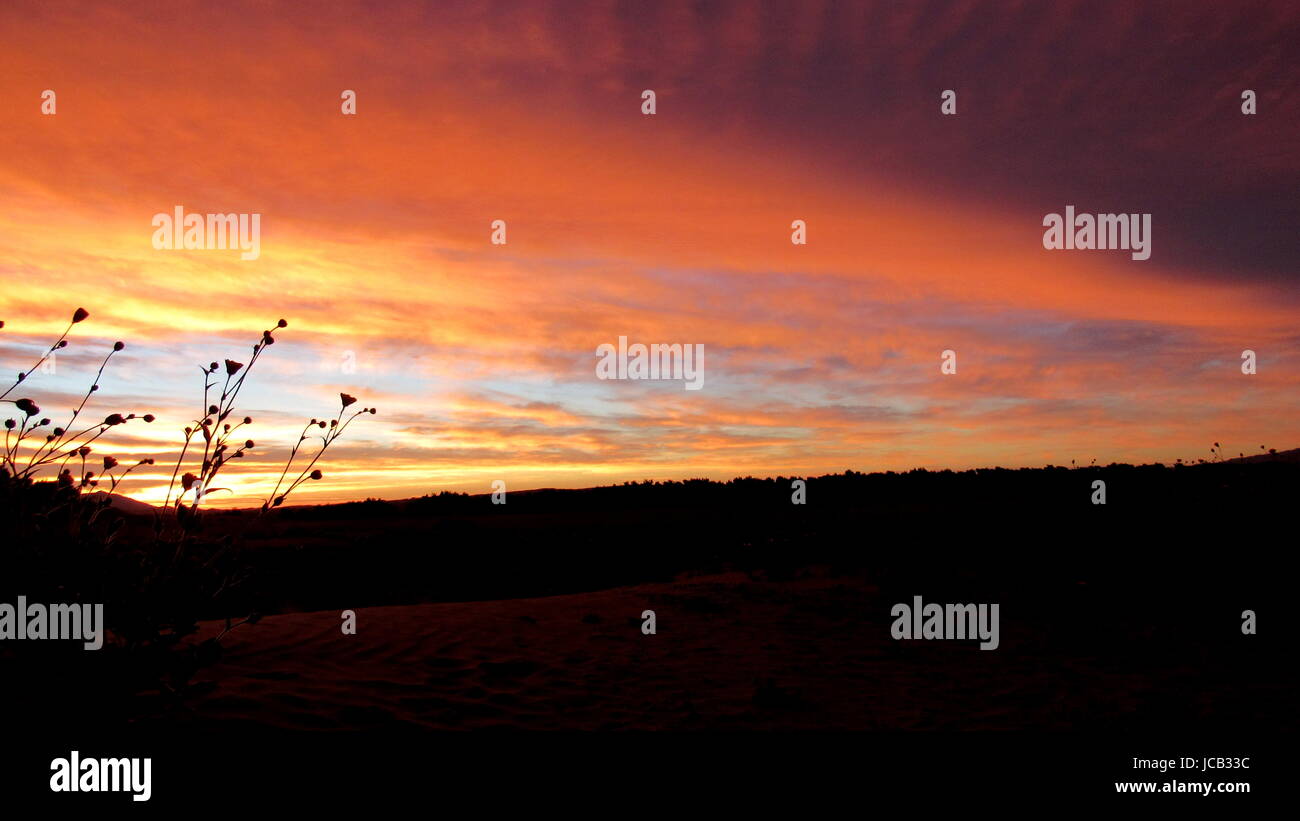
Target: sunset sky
924, 231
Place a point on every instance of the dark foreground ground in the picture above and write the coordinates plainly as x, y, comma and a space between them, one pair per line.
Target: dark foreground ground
1127, 613
1117, 621
731, 653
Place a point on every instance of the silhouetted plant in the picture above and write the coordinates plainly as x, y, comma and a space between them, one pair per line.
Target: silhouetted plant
334, 430
68, 545
60, 445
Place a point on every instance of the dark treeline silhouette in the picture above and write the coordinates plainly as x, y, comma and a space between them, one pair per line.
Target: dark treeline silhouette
1019, 529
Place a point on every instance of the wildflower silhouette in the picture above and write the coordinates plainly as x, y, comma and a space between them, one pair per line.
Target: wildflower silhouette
219, 444
61, 444
336, 426
156, 584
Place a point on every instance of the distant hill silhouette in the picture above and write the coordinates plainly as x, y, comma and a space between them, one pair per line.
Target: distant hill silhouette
1290, 456
891, 484
124, 504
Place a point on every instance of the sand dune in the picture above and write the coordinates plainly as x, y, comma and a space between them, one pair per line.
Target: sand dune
730, 652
